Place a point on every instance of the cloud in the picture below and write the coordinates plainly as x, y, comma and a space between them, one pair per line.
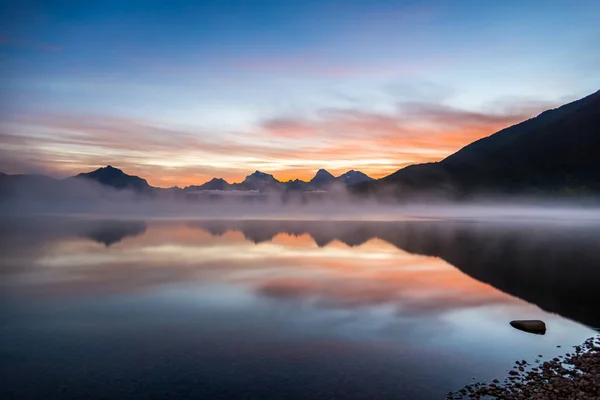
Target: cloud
338, 139
408, 121
166, 156
449, 116
288, 128
414, 132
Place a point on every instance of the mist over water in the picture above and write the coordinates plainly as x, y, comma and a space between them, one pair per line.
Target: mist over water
90, 198
100, 307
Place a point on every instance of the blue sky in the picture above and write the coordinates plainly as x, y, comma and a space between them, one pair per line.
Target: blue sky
221, 88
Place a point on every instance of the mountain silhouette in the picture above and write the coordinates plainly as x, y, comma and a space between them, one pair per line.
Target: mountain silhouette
322, 178
117, 179
555, 152
259, 181
43, 188
353, 177
296, 185
213, 184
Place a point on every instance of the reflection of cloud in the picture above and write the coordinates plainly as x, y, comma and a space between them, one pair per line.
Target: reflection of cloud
413, 290
554, 268
338, 276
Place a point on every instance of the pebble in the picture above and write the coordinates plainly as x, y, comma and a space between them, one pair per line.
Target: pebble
577, 376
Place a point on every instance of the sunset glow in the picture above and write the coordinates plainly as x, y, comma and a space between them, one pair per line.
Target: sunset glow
181, 92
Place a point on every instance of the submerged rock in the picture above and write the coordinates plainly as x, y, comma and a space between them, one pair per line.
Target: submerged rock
531, 326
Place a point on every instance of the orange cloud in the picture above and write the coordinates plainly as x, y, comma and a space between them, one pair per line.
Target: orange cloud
289, 128
335, 139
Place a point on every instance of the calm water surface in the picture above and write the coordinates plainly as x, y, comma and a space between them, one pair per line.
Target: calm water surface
283, 309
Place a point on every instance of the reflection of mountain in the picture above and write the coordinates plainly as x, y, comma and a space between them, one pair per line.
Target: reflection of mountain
35, 231
111, 232
554, 267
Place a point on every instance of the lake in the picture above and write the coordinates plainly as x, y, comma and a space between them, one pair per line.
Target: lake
284, 309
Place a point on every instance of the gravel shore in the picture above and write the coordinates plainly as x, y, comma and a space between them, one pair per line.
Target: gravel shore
575, 375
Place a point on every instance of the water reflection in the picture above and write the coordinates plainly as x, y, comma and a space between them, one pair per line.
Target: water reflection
295, 309
111, 232
553, 266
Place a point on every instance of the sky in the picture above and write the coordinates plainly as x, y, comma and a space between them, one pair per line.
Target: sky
179, 92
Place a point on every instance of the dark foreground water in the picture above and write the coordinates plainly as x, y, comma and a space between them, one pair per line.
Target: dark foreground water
101, 309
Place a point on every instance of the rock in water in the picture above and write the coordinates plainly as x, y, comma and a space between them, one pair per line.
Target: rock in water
531, 326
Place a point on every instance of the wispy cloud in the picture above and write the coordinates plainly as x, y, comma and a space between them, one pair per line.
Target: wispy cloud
66, 144
289, 128
428, 131
289, 147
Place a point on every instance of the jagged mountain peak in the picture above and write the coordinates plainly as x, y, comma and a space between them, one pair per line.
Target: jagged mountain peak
213, 184
258, 175
353, 177
322, 176
110, 168
111, 176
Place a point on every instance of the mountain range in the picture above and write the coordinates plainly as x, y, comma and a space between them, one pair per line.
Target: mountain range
115, 178
555, 152
260, 181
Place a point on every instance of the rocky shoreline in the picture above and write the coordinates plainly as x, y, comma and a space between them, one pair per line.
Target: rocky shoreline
575, 375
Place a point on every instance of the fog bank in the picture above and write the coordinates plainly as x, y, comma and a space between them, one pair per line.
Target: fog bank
76, 197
